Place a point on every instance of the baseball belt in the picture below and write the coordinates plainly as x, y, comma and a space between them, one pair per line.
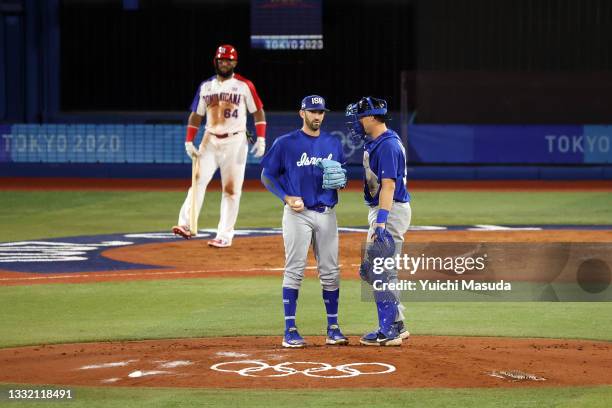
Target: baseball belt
224, 135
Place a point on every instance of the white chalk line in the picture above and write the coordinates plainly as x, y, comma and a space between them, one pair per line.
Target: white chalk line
165, 273
230, 354
175, 364
138, 373
107, 365
113, 275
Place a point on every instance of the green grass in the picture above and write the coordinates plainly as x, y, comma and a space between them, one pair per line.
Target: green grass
32, 215
252, 306
480, 207
211, 307
91, 397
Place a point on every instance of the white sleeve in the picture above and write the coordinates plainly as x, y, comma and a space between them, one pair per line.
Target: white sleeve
250, 101
201, 106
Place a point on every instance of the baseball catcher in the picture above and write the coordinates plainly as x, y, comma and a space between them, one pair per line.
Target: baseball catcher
384, 162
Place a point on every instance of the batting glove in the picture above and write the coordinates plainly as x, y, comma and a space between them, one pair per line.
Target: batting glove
191, 150
259, 147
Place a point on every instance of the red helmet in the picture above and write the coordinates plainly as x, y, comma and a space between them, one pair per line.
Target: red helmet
226, 51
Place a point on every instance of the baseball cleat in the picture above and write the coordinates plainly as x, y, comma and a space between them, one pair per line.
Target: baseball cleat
182, 230
293, 339
219, 243
403, 332
377, 338
335, 336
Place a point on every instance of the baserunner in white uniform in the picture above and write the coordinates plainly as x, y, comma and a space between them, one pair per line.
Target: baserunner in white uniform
303, 169
225, 100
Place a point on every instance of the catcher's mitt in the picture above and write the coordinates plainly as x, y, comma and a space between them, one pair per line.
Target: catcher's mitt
383, 246
384, 242
366, 271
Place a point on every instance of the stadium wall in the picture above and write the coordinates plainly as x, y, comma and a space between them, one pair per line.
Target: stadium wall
434, 151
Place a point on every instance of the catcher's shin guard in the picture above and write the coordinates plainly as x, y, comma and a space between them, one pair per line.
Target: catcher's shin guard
387, 309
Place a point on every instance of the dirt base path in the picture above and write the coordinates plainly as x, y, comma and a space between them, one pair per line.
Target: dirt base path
264, 256
260, 362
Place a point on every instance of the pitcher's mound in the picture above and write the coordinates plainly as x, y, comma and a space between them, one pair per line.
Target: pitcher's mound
260, 362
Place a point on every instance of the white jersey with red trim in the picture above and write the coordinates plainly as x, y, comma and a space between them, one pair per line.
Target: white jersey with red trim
225, 103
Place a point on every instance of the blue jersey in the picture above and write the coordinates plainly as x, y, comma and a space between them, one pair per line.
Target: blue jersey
384, 157
292, 161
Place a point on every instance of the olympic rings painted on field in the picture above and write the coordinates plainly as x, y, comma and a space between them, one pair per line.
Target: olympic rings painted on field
255, 367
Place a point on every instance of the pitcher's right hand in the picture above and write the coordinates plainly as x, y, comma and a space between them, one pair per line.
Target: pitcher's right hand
296, 203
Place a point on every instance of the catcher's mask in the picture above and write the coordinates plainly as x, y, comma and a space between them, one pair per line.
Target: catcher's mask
366, 106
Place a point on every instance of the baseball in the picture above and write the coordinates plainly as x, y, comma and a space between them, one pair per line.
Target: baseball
298, 202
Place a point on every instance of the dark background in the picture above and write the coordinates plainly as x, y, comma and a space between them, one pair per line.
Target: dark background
514, 61
465, 61
154, 58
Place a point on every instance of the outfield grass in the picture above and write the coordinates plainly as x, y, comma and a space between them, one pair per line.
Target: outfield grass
91, 397
47, 214
252, 306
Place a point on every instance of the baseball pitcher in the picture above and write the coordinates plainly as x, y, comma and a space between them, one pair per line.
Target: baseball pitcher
224, 99
384, 162
303, 169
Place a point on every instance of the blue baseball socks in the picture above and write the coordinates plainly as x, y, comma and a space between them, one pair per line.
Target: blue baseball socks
330, 298
290, 297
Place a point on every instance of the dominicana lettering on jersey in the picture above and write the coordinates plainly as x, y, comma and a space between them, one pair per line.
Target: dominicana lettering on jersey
214, 99
310, 161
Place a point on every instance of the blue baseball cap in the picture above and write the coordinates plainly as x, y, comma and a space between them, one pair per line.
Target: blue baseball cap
313, 103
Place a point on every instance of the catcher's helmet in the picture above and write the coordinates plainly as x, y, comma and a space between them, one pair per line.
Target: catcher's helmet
226, 51
369, 106
366, 106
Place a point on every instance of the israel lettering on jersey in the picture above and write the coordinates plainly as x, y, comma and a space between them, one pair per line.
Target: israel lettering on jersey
293, 159
311, 161
384, 157
225, 103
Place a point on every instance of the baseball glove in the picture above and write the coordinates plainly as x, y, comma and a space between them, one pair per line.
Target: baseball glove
366, 271
334, 176
384, 244
383, 247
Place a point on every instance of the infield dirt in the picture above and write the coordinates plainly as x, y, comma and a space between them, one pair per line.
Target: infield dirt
264, 256
423, 361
